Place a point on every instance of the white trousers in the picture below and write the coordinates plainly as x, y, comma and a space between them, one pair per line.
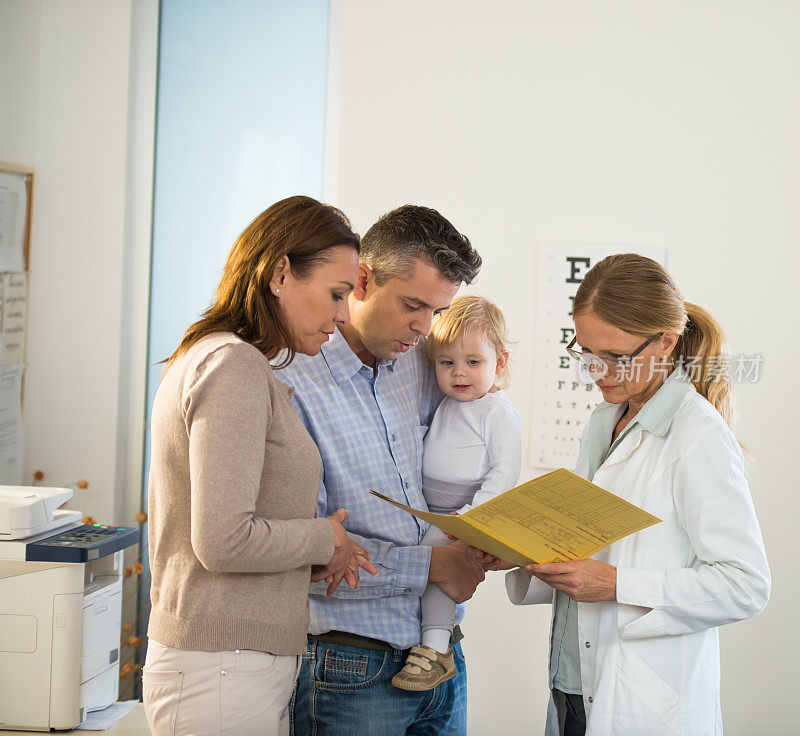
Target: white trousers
238, 693
438, 609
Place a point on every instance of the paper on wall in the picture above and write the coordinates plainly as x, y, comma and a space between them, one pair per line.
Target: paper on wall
11, 425
14, 299
562, 398
13, 221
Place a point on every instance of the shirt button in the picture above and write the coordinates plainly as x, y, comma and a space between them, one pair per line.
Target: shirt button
394, 438
223, 672
406, 484
587, 645
590, 699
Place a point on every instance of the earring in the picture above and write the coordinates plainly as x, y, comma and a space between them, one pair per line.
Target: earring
276, 292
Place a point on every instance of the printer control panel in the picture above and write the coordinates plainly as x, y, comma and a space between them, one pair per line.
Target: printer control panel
82, 543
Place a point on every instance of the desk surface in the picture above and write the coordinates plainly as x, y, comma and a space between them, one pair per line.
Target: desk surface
133, 724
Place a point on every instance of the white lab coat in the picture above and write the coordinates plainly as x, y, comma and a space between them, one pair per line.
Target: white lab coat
650, 661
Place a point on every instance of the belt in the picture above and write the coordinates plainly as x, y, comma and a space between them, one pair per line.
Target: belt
347, 639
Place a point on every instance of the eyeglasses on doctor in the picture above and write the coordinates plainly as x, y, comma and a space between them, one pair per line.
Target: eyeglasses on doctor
592, 360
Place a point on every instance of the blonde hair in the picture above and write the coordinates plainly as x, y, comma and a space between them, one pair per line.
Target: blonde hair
300, 228
637, 295
469, 315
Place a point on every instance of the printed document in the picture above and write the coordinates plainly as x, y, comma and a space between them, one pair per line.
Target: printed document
557, 517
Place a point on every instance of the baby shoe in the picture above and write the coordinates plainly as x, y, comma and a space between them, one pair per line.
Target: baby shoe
425, 668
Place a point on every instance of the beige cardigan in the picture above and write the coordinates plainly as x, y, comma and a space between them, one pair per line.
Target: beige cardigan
234, 482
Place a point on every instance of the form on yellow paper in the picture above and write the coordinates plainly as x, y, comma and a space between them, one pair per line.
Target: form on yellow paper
557, 517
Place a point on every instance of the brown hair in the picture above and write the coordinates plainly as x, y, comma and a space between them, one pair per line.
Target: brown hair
467, 314
298, 227
390, 246
637, 295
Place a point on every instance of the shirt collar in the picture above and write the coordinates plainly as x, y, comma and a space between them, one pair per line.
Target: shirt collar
657, 414
343, 363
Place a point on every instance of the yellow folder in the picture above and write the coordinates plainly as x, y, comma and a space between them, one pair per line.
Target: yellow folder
557, 517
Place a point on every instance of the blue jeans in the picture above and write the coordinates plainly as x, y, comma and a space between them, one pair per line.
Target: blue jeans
347, 691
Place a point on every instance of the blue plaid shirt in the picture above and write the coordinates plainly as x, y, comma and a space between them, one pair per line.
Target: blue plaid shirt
369, 429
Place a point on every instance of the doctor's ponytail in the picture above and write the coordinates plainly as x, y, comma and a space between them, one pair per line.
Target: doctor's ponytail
702, 352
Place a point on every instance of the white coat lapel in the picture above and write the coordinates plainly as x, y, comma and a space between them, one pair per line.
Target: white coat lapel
629, 444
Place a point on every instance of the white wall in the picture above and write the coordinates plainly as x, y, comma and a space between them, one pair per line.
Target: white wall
19, 78
669, 123
70, 75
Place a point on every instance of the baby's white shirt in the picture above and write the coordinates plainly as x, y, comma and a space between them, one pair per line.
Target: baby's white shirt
472, 452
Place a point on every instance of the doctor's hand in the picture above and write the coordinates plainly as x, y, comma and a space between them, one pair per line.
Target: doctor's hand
587, 581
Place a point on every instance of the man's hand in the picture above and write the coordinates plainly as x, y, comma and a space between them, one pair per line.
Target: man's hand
489, 562
457, 569
587, 581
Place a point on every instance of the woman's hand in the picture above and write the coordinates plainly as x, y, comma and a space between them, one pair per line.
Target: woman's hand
587, 581
348, 557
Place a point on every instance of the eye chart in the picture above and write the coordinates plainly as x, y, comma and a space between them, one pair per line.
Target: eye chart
562, 397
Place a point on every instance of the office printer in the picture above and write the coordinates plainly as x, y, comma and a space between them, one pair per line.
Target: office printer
60, 610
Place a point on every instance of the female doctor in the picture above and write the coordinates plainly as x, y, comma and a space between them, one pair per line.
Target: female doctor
634, 640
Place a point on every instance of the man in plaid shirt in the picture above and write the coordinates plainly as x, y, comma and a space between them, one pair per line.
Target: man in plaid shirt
367, 399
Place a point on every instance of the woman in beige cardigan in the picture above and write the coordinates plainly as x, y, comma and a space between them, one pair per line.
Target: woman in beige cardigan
234, 480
